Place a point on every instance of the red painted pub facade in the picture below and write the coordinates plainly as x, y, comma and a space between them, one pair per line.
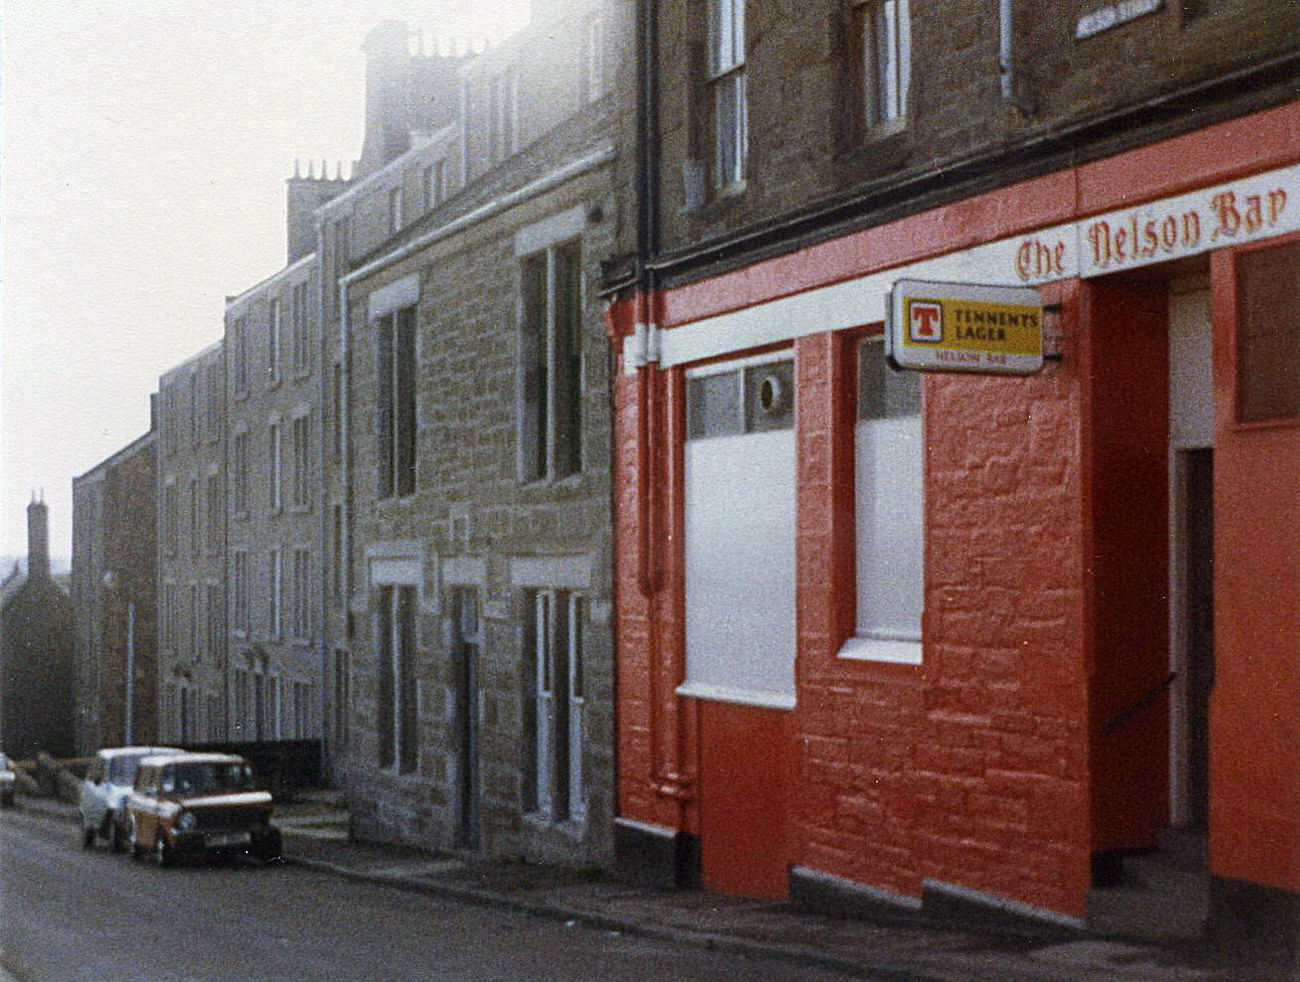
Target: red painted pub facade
922, 637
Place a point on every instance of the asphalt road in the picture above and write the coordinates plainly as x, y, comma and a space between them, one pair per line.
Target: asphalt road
69, 914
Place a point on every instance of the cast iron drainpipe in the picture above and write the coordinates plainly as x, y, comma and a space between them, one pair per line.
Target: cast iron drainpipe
665, 776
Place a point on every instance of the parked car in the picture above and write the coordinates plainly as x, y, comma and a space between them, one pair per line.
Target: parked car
200, 805
109, 779
7, 781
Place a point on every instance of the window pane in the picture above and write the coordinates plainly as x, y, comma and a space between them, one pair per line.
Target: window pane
533, 364
713, 406
1268, 341
731, 121
886, 45
567, 336
888, 495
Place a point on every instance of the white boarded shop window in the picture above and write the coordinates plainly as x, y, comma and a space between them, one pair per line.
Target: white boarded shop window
740, 523
888, 501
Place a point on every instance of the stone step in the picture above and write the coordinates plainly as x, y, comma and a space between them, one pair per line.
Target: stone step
1164, 896
1187, 848
1149, 915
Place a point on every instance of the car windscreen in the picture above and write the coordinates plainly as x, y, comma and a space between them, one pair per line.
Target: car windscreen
185, 779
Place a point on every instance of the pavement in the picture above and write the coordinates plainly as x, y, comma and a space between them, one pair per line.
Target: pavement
315, 830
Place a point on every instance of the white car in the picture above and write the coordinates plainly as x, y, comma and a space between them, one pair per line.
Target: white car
104, 791
6, 782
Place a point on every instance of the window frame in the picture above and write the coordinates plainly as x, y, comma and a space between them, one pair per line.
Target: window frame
397, 633
551, 364
300, 483
726, 76
1242, 418
273, 340
858, 646
275, 449
881, 107
554, 638
397, 446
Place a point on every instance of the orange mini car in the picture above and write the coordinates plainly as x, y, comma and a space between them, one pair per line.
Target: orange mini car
191, 805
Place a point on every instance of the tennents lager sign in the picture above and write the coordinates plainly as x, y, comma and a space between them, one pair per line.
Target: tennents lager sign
960, 327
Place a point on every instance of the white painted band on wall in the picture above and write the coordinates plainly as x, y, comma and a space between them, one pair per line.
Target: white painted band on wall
1250, 209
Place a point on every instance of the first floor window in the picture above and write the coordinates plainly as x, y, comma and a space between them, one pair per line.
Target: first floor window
727, 80
554, 636
302, 594
398, 688
240, 589
275, 594
242, 474
888, 501
302, 463
550, 425
214, 621
214, 523
275, 469
396, 379
885, 39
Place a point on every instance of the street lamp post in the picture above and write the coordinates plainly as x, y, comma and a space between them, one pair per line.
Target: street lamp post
130, 670
110, 584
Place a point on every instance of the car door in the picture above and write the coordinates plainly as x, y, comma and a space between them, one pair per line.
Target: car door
144, 806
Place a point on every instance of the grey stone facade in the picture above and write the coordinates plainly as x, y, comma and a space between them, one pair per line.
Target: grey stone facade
273, 560
500, 546
811, 158
114, 595
191, 530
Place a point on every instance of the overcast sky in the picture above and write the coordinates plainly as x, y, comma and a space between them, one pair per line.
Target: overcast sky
145, 148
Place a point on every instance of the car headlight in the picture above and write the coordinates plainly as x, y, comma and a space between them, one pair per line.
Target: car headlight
186, 822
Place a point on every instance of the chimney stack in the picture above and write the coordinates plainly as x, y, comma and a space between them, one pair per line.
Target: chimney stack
38, 539
387, 124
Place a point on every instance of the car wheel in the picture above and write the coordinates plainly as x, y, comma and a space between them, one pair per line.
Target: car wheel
162, 856
136, 849
270, 850
7, 800
116, 840
88, 837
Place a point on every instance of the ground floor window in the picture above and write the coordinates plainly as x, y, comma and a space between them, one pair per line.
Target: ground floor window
739, 476
398, 695
554, 638
888, 509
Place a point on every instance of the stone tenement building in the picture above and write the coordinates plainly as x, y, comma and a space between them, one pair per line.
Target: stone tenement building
942, 640
37, 643
114, 596
474, 415
192, 528
413, 464
273, 554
